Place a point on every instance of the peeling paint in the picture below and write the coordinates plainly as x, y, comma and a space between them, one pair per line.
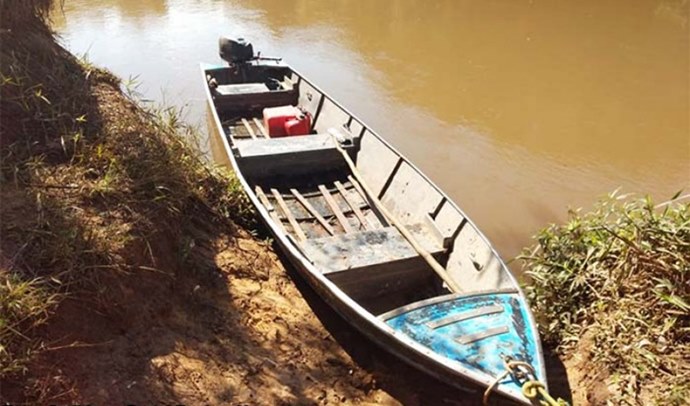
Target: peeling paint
485, 355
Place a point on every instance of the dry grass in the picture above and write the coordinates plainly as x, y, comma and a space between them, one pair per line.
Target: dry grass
24, 305
92, 185
615, 284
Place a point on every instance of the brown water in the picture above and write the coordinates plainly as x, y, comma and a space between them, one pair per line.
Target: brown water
518, 109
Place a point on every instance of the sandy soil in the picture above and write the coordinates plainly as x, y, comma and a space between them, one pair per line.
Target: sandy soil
246, 332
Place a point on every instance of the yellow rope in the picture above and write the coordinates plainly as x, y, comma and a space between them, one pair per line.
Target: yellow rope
531, 388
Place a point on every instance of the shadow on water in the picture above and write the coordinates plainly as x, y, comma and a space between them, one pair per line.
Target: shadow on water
402, 381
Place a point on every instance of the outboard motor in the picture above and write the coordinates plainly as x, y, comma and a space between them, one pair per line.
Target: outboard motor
235, 50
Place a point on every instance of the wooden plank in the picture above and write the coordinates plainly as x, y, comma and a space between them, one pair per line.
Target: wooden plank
227, 128
249, 128
357, 187
293, 146
302, 215
336, 209
353, 206
269, 207
230, 137
314, 193
242, 88
313, 211
359, 190
240, 103
261, 127
299, 233
389, 280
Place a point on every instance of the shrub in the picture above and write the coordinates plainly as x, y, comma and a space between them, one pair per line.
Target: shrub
619, 276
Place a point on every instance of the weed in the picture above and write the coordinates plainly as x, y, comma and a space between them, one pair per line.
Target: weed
620, 276
24, 306
93, 185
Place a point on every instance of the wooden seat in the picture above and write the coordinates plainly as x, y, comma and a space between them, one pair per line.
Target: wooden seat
294, 155
366, 249
242, 88
368, 263
251, 97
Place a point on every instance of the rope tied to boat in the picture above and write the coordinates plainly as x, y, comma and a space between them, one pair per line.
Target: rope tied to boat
532, 388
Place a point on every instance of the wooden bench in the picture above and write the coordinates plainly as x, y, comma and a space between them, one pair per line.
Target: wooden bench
369, 263
290, 155
251, 96
242, 88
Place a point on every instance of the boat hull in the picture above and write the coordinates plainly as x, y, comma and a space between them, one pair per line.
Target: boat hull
386, 337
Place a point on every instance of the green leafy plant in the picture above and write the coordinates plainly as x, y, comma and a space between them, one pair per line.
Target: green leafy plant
618, 278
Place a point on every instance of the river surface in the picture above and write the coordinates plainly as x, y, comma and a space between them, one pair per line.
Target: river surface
518, 109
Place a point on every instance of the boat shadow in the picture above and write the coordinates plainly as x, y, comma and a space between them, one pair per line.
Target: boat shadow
403, 382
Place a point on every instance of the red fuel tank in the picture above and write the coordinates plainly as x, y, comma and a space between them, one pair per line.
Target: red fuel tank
299, 125
286, 120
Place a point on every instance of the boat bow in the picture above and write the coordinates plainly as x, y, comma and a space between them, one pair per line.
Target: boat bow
480, 331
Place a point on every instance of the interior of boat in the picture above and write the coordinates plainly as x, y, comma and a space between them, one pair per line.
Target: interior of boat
322, 204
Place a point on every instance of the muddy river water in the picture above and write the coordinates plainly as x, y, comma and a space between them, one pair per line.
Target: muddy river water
518, 109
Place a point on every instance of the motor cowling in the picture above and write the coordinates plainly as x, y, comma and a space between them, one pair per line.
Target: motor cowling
235, 50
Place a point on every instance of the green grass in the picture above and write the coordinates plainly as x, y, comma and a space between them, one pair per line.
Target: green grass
618, 278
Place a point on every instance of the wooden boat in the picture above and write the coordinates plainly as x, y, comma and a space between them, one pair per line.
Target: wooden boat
369, 231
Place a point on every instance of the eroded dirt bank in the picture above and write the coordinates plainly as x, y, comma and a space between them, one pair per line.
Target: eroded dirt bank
123, 272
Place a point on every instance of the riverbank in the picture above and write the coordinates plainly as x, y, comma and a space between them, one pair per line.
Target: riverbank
125, 278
